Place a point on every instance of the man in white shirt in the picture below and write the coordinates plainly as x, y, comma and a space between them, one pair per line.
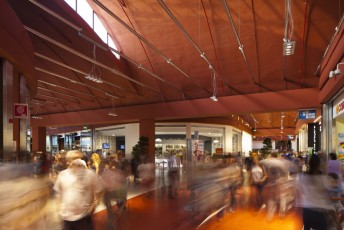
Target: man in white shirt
78, 190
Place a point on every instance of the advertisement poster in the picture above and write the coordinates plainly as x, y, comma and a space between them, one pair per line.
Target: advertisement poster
340, 145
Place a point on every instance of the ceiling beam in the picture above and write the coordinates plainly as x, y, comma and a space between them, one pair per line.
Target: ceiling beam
239, 104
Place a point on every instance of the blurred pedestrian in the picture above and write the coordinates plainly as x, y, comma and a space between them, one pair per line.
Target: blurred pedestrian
78, 190
313, 198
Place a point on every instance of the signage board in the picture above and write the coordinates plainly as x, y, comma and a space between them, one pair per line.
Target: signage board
338, 108
307, 114
20, 110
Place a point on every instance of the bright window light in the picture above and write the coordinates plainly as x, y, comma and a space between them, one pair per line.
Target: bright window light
113, 46
100, 29
85, 11
71, 3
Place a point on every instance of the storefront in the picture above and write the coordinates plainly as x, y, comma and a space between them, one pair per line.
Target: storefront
81, 140
334, 116
338, 125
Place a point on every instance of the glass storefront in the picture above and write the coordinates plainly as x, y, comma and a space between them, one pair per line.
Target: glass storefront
338, 126
333, 126
80, 140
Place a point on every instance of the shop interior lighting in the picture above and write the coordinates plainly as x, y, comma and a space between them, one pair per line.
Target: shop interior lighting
336, 72
94, 74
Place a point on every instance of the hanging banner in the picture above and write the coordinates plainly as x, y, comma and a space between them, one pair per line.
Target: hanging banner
20, 110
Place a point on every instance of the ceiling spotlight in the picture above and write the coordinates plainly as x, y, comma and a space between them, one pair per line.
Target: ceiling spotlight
213, 98
288, 48
336, 72
254, 130
36, 117
112, 114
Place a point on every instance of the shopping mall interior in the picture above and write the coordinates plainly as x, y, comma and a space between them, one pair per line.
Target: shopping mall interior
200, 82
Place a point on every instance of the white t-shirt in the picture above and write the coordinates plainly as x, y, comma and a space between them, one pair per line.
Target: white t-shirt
312, 192
256, 173
77, 187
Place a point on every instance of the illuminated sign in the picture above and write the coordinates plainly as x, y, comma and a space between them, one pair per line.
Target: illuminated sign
307, 114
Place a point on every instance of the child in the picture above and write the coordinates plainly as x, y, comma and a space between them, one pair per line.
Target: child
334, 193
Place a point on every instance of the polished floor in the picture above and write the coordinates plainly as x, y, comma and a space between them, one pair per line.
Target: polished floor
159, 212
151, 209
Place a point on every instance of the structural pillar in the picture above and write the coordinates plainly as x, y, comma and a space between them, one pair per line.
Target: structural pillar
147, 129
6, 143
38, 138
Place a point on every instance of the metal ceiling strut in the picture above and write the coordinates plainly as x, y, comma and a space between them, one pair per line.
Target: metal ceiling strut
186, 34
168, 60
241, 46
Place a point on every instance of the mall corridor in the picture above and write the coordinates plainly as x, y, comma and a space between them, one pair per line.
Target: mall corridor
220, 90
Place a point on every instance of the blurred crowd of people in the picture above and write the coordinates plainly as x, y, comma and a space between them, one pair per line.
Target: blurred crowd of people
275, 185
78, 182
281, 183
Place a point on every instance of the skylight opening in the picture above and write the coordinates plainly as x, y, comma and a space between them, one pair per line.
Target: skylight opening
86, 12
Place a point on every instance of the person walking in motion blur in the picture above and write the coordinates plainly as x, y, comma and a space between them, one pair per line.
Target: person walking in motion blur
78, 191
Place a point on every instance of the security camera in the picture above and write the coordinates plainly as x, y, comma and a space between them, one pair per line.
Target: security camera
335, 72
